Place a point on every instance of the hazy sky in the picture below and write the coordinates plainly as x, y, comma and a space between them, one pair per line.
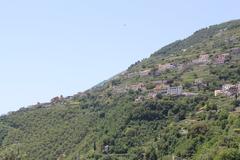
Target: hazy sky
53, 47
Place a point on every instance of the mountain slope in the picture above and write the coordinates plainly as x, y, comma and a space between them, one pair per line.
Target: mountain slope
162, 107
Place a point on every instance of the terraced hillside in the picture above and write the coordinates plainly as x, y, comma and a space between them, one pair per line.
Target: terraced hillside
180, 103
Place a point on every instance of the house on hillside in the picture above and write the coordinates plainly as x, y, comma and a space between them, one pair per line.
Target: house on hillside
228, 90
164, 67
161, 87
137, 87
233, 90
221, 58
202, 59
235, 50
175, 90
218, 92
55, 100
226, 87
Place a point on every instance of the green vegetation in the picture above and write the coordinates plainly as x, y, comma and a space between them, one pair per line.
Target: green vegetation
111, 122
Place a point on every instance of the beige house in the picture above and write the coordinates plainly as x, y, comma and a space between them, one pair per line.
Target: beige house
218, 92
160, 87
204, 58
221, 58
163, 67
228, 90
137, 87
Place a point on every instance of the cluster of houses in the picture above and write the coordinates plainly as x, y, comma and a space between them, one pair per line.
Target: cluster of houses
203, 58
160, 88
143, 73
60, 100
170, 90
57, 99
163, 89
217, 59
54, 100
125, 88
228, 90
160, 69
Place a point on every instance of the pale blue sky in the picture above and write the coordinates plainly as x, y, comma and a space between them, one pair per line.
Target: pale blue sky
53, 47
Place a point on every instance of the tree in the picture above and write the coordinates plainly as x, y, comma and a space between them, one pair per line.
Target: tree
228, 154
94, 146
151, 155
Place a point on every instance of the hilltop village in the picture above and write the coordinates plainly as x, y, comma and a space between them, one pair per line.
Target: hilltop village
166, 86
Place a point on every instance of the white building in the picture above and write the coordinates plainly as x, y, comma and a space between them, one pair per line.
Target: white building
175, 90
218, 92
226, 87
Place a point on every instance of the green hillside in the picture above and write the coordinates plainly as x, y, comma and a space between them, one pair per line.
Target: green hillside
180, 103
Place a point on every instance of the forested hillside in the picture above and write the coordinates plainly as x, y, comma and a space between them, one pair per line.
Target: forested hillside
180, 103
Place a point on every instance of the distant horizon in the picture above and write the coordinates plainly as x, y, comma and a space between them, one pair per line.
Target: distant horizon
62, 48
